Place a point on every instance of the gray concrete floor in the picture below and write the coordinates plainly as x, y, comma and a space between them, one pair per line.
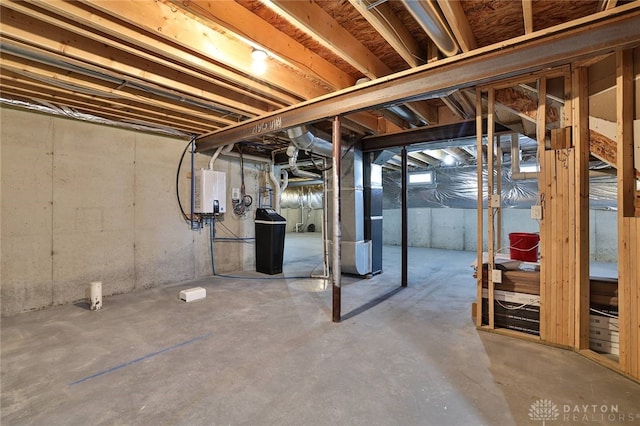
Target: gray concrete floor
264, 351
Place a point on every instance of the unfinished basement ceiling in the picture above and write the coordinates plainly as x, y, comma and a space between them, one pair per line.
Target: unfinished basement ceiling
185, 66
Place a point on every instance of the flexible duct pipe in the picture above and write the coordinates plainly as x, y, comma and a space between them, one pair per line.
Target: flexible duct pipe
427, 14
292, 152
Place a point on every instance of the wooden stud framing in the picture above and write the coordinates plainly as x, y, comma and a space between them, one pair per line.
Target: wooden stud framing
624, 110
499, 192
564, 229
628, 225
480, 208
580, 114
491, 208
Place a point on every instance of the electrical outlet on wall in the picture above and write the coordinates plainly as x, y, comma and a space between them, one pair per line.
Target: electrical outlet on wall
536, 212
235, 193
496, 276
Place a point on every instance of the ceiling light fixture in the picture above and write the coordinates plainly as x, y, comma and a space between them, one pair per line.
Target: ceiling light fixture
259, 64
259, 55
449, 160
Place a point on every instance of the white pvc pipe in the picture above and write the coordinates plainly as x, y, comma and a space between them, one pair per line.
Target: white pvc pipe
95, 295
224, 149
276, 188
284, 175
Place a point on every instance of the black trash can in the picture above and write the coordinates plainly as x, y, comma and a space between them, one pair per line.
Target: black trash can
270, 230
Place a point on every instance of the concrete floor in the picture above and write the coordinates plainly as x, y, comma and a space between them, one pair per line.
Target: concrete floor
265, 352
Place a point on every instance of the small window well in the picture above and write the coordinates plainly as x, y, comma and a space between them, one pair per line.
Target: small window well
422, 177
529, 168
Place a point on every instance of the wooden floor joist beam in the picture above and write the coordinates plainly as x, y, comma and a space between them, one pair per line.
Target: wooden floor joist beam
597, 34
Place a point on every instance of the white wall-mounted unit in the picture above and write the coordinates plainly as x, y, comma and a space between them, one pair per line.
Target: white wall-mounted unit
210, 195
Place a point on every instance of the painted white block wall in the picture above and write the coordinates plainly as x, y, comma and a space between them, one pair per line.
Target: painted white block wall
456, 229
84, 202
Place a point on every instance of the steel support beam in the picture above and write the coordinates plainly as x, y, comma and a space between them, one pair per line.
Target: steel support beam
597, 34
446, 133
336, 270
405, 218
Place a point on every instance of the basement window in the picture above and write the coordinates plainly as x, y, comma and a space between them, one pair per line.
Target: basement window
529, 168
425, 178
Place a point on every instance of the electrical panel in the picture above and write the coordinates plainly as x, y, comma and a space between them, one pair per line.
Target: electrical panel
210, 195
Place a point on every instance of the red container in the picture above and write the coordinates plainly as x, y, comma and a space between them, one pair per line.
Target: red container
524, 246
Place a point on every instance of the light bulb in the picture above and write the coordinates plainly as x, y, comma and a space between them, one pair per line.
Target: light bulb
259, 55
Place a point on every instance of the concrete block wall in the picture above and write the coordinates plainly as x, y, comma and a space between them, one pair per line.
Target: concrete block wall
84, 202
456, 229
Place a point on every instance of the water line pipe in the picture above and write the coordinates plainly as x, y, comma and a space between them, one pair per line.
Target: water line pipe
193, 180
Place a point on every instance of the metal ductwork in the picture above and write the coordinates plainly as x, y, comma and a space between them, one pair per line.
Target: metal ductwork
355, 254
401, 111
292, 152
355, 251
407, 115
305, 139
427, 14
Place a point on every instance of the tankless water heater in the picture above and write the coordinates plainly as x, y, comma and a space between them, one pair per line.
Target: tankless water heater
210, 195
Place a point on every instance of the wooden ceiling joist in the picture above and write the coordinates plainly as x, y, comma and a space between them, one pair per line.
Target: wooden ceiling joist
167, 23
420, 160
130, 110
121, 35
314, 21
425, 158
527, 12
80, 83
37, 28
91, 113
249, 26
67, 64
605, 149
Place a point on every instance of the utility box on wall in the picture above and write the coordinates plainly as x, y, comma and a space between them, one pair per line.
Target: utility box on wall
210, 194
